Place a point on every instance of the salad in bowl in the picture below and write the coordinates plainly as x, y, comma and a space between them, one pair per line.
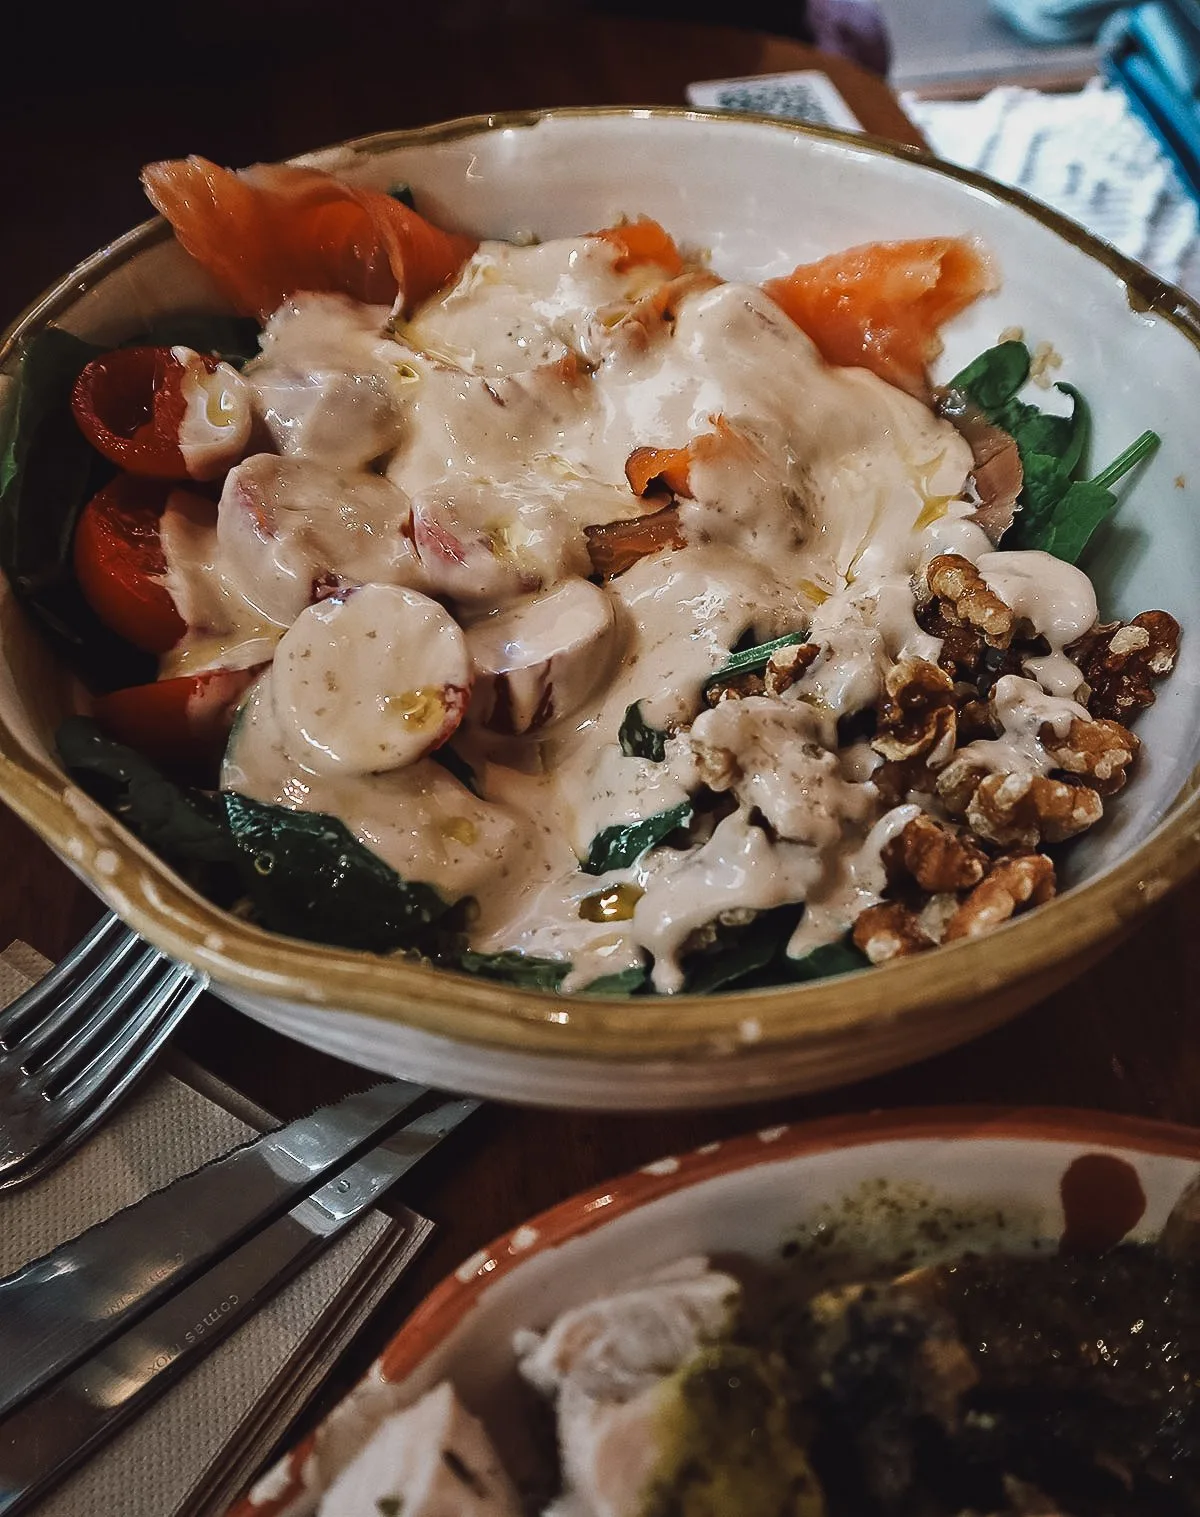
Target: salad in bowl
568, 613
476, 600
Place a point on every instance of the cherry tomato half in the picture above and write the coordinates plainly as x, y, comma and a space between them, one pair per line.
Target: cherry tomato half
120, 564
129, 405
177, 723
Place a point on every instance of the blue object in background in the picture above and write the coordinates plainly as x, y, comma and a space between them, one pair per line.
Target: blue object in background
1153, 52
1056, 21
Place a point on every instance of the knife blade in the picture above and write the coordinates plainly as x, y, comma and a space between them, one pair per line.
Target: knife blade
60, 1309
49, 1436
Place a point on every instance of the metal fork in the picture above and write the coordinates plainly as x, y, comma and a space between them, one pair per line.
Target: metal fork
73, 1044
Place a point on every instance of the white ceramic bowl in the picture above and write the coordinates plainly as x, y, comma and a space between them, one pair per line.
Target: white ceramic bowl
887, 1183
762, 195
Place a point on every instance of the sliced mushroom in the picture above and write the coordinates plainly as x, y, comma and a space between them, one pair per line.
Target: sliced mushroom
542, 658
289, 529
344, 419
370, 680
997, 473
615, 546
486, 544
214, 431
329, 385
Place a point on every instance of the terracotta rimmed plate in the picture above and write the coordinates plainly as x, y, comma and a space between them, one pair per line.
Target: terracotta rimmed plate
761, 194
933, 1181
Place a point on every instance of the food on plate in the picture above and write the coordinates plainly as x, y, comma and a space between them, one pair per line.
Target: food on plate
1018, 1385
571, 614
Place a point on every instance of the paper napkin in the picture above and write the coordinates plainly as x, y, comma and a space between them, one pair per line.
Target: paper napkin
802, 95
1086, 154
192, 1450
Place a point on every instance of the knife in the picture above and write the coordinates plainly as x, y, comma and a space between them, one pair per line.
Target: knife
48, 1437
58, 1310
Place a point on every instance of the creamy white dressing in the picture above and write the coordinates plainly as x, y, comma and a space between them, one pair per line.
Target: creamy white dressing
418, 819
497, 425
518, 308
330, 382
289, 530
1022, 708
855, 879
1056, 598
779, 758
738, 869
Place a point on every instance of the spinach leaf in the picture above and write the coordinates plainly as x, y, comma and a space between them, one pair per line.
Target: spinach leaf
1084, 505
233, 338
41, 439
514, 968
638, 739
533, 973
309, 877
304, 873
454, 763
48, 473
742, 952
756, 956
187, 827
1058, 512
994, 378
751, 660
1063, 438
826, 961
626, 982
1050, 448
615, 847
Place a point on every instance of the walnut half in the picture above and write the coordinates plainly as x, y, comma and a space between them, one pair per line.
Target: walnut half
933, 855
1099, 752
918, 715
889, 931
1121, 661
1025, 879
1027, 809
957, 583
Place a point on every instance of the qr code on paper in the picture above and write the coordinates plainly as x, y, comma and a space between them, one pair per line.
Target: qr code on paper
807, 96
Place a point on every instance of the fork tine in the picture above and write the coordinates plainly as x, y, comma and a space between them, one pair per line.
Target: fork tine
108, 929
73, 1044
26, 1032
75, 1038
97, 1089
77, 1077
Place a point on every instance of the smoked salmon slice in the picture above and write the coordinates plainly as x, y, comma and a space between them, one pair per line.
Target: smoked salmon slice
266, 232
671, 468
651, 466
643, 241
880, 305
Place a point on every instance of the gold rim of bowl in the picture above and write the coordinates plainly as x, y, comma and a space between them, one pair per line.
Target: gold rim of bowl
1046, 946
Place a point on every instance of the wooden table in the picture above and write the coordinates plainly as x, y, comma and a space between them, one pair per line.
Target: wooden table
1125, 1037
